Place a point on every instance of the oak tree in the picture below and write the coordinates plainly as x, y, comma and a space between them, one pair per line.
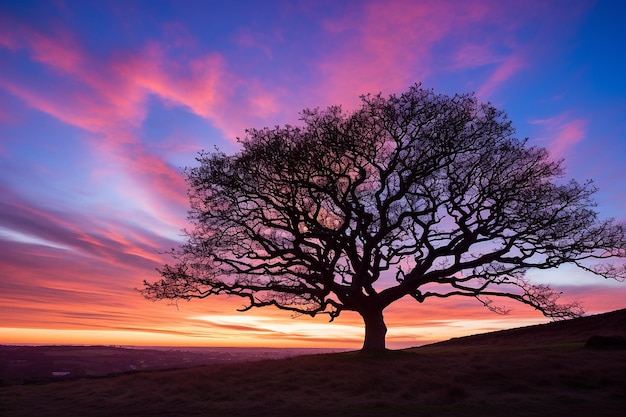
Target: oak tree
420, 195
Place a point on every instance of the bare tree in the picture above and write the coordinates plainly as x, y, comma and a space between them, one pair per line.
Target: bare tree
419, 195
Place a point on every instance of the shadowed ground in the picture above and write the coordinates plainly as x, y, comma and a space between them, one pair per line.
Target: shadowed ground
533, 371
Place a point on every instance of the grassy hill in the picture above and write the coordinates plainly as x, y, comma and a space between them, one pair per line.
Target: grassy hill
540, 370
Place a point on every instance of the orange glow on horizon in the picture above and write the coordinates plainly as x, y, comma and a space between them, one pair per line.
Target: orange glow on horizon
409, 324
23, 336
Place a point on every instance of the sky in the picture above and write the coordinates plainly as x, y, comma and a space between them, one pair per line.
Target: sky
102, 103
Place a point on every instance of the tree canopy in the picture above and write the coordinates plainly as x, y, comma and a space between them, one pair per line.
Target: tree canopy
419, 194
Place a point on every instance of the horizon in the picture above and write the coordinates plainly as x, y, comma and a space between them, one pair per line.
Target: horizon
102, 104
305, 348
189, 348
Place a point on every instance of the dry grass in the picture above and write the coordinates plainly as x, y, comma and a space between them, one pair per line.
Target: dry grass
460, 378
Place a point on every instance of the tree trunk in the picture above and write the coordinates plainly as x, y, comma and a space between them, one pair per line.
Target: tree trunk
375, 330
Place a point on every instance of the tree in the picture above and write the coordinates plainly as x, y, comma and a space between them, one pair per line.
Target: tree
421, 195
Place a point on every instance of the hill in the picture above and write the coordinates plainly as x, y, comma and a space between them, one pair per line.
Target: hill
579, 330
532, 371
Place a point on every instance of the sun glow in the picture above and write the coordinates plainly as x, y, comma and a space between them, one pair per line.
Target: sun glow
303, 327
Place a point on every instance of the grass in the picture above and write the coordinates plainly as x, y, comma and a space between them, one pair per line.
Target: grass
521, 377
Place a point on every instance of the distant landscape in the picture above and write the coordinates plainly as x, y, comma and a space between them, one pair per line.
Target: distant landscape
39, 364
569, 368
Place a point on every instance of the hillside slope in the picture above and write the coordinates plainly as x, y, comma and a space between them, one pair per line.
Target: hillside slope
559, 332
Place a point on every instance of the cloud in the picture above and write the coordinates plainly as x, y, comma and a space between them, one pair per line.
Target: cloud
596, 299
386, 46
36, 238
303, 329
108, 96
561, 133
104, 98
503, 72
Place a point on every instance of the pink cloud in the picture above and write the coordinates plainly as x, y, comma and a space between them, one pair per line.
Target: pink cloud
597, 299
57, 51
71, 237
561, 134
192, 84
388, 46
502, 73
108, 97
570, 134
110, 94
393, 44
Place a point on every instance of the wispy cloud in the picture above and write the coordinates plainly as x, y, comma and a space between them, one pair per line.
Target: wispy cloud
386, 46
561, 133
503, 72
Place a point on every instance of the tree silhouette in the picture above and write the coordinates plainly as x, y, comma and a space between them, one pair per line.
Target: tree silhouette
421, 195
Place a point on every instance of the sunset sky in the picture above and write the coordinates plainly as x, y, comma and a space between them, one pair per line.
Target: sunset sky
103, 102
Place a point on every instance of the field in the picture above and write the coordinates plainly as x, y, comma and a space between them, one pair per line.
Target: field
39, 364
536, 371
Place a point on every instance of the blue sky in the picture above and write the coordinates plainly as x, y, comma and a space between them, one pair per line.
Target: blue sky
102, 104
